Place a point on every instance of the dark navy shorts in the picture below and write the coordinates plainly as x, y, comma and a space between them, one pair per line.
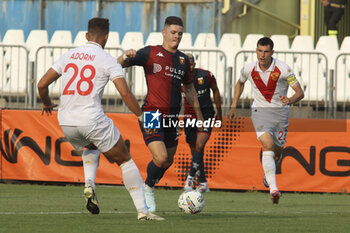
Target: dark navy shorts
169, 136
191, 133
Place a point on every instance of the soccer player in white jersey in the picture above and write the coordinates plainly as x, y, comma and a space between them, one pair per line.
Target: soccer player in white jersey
85, 72
270, 79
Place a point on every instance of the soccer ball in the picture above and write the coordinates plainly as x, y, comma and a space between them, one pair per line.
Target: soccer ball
191, 202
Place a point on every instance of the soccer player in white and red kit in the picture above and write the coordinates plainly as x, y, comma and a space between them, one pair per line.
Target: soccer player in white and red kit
85, 71
270, 79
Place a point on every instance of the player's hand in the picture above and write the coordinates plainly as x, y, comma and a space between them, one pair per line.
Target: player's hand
48, 109
285, 100
218, 116
201, 129
130, 53
150, 131
232, 114
147, 131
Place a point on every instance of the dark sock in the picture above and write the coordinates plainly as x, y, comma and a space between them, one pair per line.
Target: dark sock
153, 174
202, 177
196, 161
163, 170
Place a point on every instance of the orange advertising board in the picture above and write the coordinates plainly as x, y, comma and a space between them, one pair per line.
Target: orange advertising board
316, 156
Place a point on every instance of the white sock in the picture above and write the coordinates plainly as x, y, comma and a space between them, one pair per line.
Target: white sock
147, 188
90, 161
269, 167
134, 184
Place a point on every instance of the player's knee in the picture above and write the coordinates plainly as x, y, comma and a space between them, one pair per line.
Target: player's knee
200, 147
118, 157
161, 160
165, 162
268, 147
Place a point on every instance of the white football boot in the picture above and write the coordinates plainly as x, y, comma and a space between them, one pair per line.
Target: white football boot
189, 184
203, 187
91, 200
149, 216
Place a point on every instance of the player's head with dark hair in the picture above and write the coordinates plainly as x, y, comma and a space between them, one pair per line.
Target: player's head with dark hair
264, 52
172, 33
98, 26
98, 29
173, 20
265, 41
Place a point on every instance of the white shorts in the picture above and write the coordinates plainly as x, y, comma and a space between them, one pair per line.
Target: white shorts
272, 121
104, 135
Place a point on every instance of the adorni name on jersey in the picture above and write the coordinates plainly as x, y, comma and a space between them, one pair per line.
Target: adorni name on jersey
83, 56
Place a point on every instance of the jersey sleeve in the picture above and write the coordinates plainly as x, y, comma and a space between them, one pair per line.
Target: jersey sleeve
113, 69
58, 66
244, 76
211, 79
141, 57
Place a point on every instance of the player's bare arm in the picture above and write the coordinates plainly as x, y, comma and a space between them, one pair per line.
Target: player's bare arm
298, 95
123, 60
238, 92
43, 88
217, 100
127, 96
130, 100
191, 97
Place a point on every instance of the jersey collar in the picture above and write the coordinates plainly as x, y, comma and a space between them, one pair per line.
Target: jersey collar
270, 69
94, 43
168, 51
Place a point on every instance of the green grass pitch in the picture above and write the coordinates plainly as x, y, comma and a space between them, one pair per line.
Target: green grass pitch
54, 208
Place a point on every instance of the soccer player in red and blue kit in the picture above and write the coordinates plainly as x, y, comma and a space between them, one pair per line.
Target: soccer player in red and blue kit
203, 81
166, 68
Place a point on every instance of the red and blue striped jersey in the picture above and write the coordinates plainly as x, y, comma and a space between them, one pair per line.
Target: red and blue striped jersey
165, 72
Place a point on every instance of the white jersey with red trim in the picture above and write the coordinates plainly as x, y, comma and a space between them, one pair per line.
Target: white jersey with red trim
268, 86
85, 72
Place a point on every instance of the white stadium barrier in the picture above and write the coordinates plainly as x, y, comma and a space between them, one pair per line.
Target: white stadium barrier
241, 58
154, 38
80, 38
205, 58
36, 39
134, 40
186, 41
313, 66
14, 66
113, 40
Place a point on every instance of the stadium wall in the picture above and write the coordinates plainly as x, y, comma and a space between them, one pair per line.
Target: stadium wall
260, 23
124, 16
316, 156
